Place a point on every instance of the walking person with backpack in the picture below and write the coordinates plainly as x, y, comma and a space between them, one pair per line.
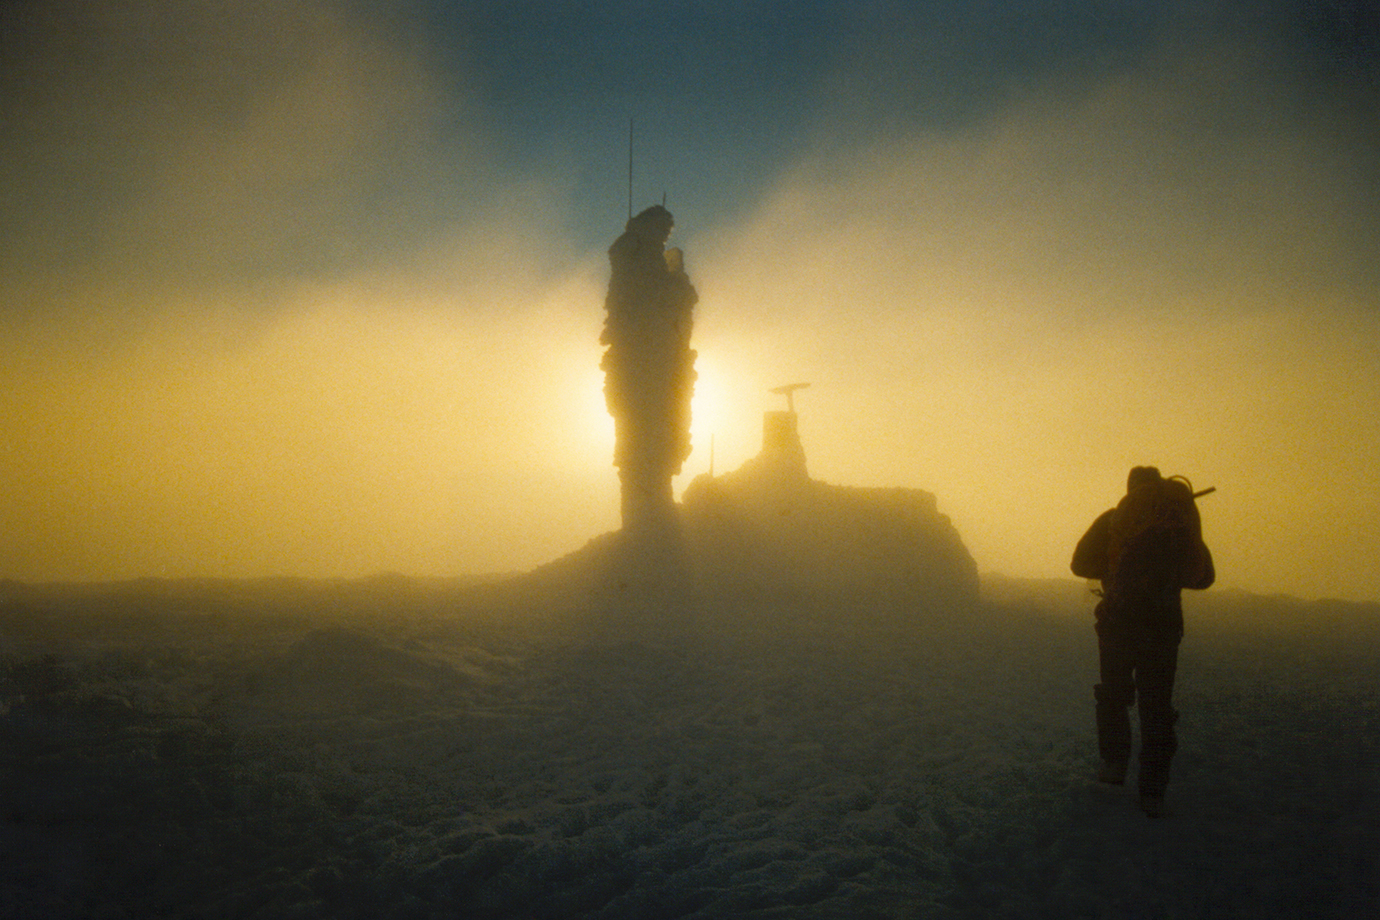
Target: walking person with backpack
1145, 551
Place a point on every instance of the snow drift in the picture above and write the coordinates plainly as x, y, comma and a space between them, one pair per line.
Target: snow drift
411, 749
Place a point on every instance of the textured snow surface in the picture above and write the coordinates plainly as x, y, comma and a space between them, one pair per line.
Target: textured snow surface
397, 763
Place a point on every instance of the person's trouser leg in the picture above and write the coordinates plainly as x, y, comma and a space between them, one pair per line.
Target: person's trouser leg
1155, 667
1114, 693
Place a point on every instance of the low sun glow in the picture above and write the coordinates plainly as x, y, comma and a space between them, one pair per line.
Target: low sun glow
708, 409
598, 421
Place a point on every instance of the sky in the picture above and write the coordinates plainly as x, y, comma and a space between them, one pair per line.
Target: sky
315, 288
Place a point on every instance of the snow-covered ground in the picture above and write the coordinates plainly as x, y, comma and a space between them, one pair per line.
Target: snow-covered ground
369, 756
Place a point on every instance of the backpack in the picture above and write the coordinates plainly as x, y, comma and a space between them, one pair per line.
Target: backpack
1155, 540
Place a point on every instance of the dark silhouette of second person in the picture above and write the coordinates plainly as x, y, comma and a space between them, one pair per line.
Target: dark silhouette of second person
1145, 551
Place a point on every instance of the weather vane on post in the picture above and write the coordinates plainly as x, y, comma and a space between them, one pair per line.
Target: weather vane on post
788, 390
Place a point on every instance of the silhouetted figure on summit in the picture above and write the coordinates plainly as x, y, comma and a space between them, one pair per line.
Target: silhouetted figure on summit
649, 368
1145, 551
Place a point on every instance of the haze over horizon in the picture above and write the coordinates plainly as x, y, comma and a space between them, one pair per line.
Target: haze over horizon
315, 288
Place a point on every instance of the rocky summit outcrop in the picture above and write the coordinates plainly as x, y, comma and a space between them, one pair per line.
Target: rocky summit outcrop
768, 531
768, 536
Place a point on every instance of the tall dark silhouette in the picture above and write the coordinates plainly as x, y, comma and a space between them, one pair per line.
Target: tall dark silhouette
649, 368
1145, 551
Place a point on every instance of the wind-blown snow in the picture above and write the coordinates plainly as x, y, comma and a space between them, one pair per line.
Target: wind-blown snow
355, 752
